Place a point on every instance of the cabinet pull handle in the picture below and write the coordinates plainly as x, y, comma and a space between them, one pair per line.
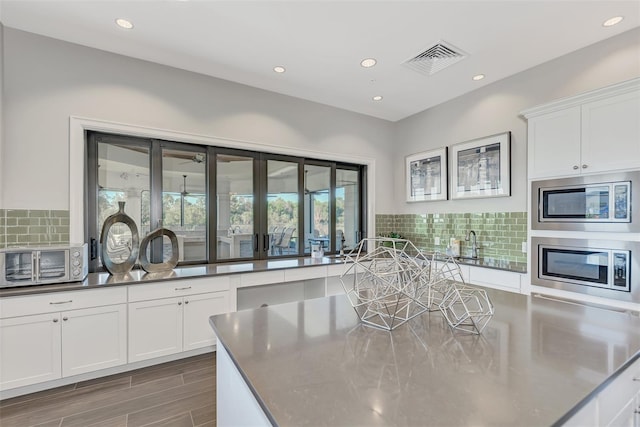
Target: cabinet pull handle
65, 318
186, 302
55, 320
61, 302
179, 302
636, 379
584, 166
575, 167
182, 289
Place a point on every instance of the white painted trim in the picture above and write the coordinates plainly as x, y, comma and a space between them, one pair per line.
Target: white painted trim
78, 126
572, 101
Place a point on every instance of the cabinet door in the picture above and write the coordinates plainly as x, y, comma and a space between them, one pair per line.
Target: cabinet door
155, 328
29, 350
554, 144
197, 309
93, 339
611, 133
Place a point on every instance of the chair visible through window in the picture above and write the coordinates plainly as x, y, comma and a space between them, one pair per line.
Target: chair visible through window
283, 244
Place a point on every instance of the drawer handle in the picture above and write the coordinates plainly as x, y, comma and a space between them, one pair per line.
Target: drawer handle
636, 379
61, 302
575, 167
182, 289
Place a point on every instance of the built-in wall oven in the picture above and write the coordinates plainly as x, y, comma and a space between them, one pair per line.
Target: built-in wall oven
603, 268
587, 203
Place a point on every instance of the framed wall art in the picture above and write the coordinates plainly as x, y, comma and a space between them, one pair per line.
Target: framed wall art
426, 176
482, 167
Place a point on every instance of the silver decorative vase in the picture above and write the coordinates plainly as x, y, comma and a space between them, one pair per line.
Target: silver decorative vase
112, 247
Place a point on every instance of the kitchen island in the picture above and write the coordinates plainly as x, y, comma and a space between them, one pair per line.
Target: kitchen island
312, 363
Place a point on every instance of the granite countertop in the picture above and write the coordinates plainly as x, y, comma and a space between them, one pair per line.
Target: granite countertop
313, 363
100, 280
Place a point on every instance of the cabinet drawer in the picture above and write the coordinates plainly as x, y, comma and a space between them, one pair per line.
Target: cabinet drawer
61, 301
262, 278
621, 390
336, 269
305, 273
495, 278
176, 288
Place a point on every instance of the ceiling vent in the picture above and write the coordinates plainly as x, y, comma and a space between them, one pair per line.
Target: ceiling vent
435, 58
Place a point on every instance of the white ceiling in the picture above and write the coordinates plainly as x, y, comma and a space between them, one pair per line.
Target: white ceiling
321, 43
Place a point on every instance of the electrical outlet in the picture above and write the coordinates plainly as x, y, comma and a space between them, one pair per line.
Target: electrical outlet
436, 241
524, 247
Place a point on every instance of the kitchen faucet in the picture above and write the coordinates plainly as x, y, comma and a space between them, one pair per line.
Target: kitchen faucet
474, 244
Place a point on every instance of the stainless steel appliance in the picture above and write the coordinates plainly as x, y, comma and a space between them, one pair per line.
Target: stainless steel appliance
587, 203
601, 268
35, 266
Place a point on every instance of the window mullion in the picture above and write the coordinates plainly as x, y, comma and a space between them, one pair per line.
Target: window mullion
155, 177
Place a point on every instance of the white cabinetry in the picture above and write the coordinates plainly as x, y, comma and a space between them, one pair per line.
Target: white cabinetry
49, 336
593, 132
173, 316
618, 404
492, 278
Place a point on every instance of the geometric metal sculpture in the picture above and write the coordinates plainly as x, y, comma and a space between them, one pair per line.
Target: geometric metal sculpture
467, 308
162, 266
387, 282
126, 251
394, 282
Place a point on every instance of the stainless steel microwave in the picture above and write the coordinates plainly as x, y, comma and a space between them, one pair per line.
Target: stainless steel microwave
42, 265
606, 203
603, 268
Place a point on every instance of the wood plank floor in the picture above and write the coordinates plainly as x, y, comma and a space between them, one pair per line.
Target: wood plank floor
179, 393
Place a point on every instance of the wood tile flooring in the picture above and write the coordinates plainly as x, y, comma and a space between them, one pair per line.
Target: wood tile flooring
179, 393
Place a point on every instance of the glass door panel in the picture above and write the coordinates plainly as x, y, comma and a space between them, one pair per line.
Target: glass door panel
123, 176
317, 218
235, 204
184, 203
282, 207
347, 209
53, 264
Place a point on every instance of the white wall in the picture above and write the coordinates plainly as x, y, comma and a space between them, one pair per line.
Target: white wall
1, 113
495, 108
47, 81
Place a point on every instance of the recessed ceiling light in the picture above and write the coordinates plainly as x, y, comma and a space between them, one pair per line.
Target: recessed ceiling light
478, 77
124, 23
279, 69
368, 62
377, 98
612, 21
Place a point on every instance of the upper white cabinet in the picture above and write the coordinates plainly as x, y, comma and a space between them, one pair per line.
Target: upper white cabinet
598, 131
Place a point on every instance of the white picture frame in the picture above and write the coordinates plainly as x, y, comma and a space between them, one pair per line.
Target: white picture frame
426, 176
481, 167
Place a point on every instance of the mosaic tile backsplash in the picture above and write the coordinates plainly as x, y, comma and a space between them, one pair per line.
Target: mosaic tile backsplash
499, 234
28, 227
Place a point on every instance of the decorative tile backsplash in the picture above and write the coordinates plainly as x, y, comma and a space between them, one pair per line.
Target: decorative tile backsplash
26, 227
499, 234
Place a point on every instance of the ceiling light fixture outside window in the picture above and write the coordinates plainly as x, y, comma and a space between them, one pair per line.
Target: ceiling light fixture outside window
124, 23
368, 62
478, 77
377, 98
612, 21
279, 69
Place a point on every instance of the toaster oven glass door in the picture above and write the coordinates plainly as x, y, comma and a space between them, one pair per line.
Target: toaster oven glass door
18, 267
52, 265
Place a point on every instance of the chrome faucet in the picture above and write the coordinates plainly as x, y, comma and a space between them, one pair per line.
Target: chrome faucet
474, 244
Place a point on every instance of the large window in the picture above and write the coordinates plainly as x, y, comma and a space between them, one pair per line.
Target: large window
222, 204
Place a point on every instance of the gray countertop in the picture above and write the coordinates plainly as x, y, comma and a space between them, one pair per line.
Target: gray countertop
100, 280
313, 363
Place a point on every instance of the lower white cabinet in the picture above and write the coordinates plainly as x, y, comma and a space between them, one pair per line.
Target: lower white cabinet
172, 325
46, 346
30, 350
93, 339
